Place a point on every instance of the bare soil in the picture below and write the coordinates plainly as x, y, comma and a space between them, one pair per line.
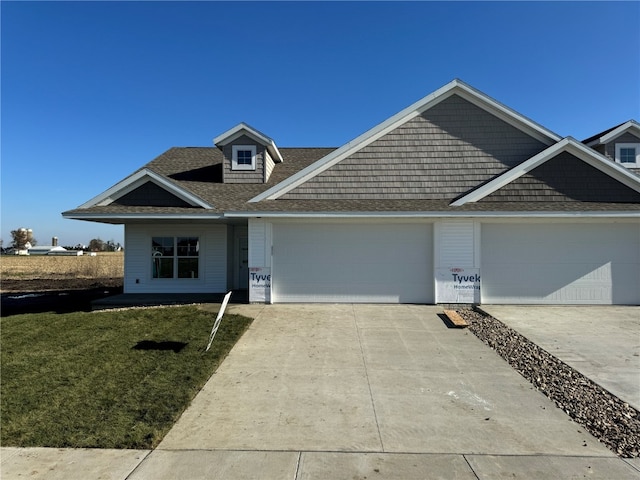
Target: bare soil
60, 294
60, 283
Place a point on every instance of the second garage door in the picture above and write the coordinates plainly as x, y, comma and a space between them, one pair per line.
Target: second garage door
360, 263
596, 263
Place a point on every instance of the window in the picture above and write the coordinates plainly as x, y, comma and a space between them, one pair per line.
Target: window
243, 157
175, 257
628, 154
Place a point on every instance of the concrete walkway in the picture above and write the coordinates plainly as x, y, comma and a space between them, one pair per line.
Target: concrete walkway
353, 391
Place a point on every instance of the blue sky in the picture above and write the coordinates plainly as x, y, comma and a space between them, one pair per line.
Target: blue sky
91, 91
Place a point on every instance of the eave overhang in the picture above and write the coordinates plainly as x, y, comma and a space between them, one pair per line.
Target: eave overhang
440, 214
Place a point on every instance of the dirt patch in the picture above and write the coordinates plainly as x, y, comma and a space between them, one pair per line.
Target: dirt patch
54, 283
54, 294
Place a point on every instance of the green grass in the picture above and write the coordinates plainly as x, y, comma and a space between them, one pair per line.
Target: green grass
76, 380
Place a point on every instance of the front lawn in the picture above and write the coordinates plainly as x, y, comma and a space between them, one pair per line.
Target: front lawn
117, 379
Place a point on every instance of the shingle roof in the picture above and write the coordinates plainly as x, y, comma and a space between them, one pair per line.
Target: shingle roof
199, 170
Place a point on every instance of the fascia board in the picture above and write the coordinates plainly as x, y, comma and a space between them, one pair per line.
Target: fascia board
510, 175
98, 199
134, 181
244, 129
612, 135
436, 214
140, 216
604, 164
454, 87
508, 115
568, 144
239, 133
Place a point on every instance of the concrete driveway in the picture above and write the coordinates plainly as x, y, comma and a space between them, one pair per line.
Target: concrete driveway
354, 391
601, 342
348, 387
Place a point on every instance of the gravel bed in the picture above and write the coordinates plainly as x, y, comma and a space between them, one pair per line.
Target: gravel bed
612, 421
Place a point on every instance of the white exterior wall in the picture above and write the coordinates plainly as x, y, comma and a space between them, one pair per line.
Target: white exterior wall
213, 259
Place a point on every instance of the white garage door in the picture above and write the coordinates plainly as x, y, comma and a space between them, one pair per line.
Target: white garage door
340, 262
561, 264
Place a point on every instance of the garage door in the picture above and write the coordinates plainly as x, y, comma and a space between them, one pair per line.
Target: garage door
339, 262
561, 264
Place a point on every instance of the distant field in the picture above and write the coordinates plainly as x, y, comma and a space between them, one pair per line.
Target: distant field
103, 265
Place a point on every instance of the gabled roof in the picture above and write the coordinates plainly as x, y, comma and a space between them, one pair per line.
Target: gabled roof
194, 174
198, 171
611, 134
244, 129
136, 180
567, 144
455, 87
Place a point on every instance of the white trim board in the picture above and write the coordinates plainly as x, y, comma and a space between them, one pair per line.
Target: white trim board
631, 126
243, 129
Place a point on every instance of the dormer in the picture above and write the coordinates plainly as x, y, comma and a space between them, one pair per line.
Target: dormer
249, 155
621, 144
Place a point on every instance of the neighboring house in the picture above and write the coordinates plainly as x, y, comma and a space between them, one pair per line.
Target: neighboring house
455, 199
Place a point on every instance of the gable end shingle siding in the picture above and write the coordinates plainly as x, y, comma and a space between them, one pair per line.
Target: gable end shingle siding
150, 194
444, 152
564, 178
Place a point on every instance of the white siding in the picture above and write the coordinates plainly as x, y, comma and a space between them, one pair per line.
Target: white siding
259, 243
580, 263
457, 251
268, 166
456, 244
213, 259
347, 262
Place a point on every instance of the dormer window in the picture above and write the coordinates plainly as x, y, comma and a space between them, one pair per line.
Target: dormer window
243, 157
628, 154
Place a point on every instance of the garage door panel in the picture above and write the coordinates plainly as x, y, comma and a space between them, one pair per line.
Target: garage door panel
353, 263
561, 264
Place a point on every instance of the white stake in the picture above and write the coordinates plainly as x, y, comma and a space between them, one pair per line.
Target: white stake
216, 324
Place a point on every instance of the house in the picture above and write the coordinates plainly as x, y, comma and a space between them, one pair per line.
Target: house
455, 199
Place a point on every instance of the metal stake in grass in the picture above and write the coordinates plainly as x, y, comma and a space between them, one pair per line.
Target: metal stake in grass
216, 324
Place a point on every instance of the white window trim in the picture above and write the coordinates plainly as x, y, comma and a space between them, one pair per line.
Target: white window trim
620, 146
234, 157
